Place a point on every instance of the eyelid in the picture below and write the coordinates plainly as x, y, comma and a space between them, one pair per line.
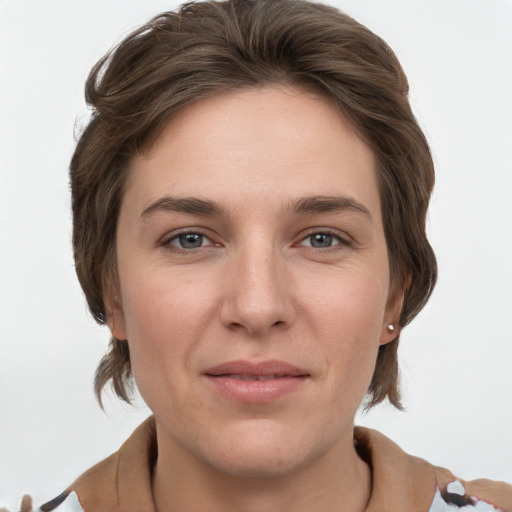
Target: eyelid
343, 239
166, 240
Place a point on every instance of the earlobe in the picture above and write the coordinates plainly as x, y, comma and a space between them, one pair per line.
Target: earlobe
390, 332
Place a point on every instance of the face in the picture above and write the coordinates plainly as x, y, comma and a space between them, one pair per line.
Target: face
253, 280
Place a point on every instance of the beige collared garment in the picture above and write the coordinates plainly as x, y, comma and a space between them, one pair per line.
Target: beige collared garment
400, 482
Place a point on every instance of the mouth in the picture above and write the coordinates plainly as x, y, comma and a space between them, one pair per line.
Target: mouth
260, 382
240, 376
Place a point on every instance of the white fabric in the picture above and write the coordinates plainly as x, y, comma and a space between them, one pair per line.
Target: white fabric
440, 505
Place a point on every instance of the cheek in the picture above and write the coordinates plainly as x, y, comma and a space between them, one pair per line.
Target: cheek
351, 305
160, 304
164, 318
347, 321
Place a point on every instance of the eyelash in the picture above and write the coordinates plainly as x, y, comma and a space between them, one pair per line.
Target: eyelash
341, 242
167, 243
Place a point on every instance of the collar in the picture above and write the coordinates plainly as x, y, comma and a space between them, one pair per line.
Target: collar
122, 482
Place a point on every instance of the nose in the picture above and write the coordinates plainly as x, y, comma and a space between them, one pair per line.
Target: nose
257, 294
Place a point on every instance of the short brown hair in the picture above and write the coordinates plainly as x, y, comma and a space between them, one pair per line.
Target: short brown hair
211, 47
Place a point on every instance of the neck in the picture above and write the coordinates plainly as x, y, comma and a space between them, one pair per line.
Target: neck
338, 480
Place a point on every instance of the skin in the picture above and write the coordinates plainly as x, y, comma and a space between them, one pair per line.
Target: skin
257, 287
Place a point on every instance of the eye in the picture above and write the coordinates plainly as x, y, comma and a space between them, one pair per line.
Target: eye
189, 240
322, 240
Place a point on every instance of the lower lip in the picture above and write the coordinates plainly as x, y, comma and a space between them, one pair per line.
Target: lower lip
256, 391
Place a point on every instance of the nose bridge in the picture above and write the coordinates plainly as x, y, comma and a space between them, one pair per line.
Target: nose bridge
257, 296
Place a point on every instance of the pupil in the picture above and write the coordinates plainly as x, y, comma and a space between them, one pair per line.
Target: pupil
191, 240
321, 240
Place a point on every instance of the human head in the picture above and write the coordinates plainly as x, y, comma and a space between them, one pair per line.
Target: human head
211, 47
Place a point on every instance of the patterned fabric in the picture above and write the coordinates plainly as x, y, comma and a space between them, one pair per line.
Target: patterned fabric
454, 497
53, 504
65, 502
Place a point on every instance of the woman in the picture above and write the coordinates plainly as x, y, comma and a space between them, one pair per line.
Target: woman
249, 207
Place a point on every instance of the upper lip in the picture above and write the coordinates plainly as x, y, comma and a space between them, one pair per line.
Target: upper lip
257, 369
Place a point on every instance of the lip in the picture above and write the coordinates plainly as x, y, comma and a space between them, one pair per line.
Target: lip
238, 380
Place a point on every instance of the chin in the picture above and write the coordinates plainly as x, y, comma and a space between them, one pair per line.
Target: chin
262, 452
258, 466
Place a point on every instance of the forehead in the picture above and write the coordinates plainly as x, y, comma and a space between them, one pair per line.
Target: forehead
276, 141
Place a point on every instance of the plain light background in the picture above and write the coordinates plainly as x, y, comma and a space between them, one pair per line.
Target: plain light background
456, 356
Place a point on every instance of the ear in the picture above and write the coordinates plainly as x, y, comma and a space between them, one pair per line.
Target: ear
115, 318
391, 324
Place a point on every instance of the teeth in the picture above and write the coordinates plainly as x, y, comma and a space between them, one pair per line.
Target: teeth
240, 376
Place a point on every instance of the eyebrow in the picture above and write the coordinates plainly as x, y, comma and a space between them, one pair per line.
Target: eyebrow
190, 205
323, 204
301, 206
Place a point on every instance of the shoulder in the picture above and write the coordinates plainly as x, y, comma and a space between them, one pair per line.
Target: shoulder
122, 481
96, 488
403, 482
480, 495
